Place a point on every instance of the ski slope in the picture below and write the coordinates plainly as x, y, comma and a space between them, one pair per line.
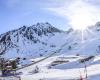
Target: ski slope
71, 70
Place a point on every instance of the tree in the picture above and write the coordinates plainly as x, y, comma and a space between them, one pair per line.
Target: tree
14, 64
7, 66
3, 66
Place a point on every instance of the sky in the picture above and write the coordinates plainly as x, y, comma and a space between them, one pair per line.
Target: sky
60, 13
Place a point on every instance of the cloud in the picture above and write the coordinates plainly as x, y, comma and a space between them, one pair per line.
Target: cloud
78, 10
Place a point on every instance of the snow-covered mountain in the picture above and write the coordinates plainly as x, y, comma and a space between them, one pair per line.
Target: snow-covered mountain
42, 39
71, 48
32, 41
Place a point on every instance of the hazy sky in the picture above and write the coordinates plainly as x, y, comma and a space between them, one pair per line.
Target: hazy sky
60, 13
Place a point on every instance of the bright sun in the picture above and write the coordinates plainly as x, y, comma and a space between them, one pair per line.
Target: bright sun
81, 19
80, 22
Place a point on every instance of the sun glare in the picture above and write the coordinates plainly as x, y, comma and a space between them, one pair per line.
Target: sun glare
81, 19
80, 22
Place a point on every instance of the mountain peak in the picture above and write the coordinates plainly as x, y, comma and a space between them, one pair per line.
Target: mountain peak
11, 39
44, 28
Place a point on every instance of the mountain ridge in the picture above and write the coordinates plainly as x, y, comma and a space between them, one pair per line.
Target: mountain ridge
42, 38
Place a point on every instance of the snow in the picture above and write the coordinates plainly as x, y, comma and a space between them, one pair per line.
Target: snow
66, 71
65, 45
